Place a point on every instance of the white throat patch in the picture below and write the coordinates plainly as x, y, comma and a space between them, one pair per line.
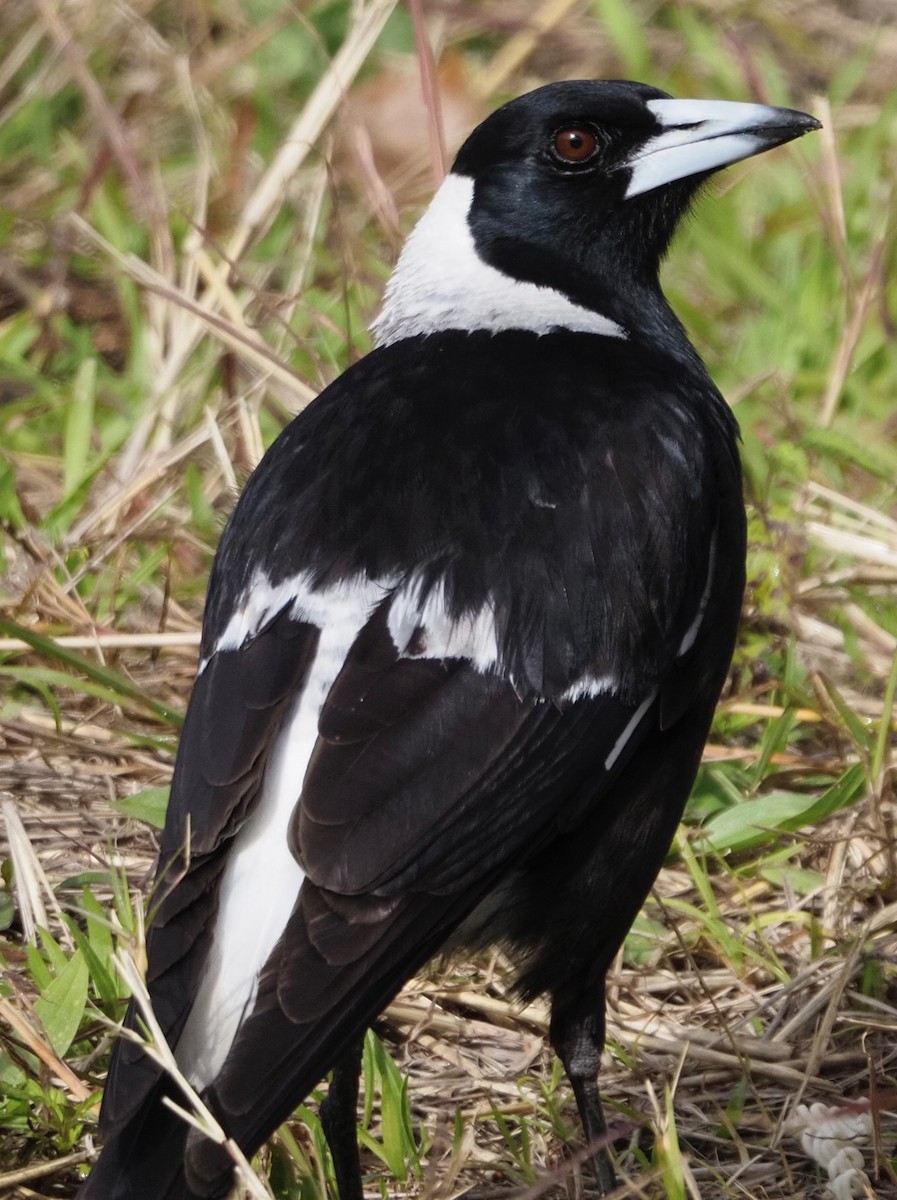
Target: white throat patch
440, 282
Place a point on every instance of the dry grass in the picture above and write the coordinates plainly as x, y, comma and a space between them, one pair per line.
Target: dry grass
191, 260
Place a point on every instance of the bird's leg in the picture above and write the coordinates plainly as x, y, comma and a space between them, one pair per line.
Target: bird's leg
577, 1036
339, 1118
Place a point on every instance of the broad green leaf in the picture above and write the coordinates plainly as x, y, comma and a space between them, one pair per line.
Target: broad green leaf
7, 909
848, 788
62, 1004
757, 820
149, 805
107, 990
37, 967
754, 821
398, 1137
99, 968
55, 955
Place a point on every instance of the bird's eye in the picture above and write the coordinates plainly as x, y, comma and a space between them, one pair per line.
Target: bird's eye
575, 145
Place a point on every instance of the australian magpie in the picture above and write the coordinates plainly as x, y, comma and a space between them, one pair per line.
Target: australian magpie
464, 637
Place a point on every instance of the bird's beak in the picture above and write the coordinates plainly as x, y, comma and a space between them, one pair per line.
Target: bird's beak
698, 136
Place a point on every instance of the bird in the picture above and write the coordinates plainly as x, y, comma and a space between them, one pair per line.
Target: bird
463, 640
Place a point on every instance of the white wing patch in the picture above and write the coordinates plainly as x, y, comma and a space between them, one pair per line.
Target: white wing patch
440, 282
334, 606
422, 628
262, 878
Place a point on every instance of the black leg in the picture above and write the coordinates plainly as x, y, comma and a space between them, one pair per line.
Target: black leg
577, 1036
339, 1117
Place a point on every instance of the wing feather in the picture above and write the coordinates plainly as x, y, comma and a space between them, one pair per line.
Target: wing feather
235, 710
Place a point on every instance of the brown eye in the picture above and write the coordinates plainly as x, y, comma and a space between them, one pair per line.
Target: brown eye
575, 145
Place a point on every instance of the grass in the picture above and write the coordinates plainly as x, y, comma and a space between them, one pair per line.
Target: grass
187, 254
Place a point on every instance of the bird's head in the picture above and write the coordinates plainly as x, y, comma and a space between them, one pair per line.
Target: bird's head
561, 204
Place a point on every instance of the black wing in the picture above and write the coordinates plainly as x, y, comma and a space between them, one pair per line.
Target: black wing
408, 818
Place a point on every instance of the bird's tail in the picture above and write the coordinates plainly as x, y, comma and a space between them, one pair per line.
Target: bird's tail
143, 1164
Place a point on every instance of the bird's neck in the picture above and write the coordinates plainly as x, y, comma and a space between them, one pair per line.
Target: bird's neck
441, 282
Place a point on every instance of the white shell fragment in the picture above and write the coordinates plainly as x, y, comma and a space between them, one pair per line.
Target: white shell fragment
833, 1136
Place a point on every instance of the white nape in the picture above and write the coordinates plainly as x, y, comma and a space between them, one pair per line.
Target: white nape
440, 282
262, 878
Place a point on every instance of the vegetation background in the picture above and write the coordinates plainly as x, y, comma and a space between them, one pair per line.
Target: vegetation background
199, 205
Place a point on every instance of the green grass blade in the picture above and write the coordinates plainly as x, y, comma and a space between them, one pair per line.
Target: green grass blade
79, 423
114, 685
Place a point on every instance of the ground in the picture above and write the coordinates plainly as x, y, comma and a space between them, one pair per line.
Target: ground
194, 232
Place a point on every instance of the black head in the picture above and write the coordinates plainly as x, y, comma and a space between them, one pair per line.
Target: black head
593, 177
577, 187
